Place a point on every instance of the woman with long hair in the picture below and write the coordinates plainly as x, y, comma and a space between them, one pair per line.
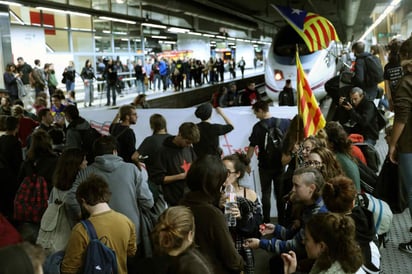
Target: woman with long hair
70, 162
40, 158
248, 206
324, 160
205, 180
68, 166
341, 146
330, 240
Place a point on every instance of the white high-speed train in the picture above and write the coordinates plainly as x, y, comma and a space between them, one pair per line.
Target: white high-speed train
319, 66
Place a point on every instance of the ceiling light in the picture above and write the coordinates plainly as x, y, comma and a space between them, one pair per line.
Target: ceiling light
117, 20
208, 35
78, 13
231, 38
159, 37
169, 42
220, 37
177, 30
385, 13
10, 3
153, 25
195, 33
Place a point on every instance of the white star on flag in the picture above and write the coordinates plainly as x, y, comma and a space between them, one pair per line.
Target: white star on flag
296, 11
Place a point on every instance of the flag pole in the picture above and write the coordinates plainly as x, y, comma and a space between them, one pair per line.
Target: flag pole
298, 129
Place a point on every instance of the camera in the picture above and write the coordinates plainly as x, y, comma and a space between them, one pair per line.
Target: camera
346, 102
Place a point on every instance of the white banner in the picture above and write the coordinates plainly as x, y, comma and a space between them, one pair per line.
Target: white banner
242, 119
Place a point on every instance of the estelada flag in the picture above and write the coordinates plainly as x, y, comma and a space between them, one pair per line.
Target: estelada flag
308, 107
315, 30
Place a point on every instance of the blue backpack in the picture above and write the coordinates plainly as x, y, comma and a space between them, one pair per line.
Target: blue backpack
99, 259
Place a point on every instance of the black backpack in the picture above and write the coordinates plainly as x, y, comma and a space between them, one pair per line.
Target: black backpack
374, 70
273, 142
88, 137
371, 155
99, 258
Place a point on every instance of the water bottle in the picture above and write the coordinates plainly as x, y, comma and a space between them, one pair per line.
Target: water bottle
230, 203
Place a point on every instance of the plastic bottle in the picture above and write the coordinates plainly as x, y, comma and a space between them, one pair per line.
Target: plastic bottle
230, 203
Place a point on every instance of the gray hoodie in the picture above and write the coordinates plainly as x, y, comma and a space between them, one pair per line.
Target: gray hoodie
129, 187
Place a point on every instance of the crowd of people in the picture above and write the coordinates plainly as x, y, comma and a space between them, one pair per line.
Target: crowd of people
175, 189
112, 76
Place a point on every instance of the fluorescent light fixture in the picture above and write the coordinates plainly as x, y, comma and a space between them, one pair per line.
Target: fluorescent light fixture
231, 38
124, 39
208, 35
177, 30
385, 13
78, 13
153, 25
117, 20
159, 37
220, 37
106, 31
120, 32
195, 33
10, 3
240, 40
169, 42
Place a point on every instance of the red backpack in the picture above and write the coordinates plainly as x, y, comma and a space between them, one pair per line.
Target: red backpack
31, 199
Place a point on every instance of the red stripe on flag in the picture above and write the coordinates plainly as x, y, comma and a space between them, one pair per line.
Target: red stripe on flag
310, 38
325, 35
317, 36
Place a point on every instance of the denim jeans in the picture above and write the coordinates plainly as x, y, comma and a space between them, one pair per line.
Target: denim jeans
69, 85
405, 172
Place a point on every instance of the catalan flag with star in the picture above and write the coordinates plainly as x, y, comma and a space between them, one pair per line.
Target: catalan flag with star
308, 107
315, 30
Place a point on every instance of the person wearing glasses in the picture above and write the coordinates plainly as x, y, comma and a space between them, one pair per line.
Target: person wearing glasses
324, 160
248, 210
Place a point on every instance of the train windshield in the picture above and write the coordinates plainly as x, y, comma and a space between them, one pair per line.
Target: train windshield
285, 43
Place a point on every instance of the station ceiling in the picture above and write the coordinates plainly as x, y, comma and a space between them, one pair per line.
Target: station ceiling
259, 18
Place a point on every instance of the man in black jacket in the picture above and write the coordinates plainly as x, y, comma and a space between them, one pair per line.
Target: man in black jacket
364, 113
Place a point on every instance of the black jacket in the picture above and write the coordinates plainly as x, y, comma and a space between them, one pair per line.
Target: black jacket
366, 117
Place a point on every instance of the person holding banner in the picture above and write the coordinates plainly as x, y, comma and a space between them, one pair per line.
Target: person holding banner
269, 171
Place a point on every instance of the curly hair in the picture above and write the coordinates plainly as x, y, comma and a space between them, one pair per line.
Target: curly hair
330, 166
338, 194
338, 233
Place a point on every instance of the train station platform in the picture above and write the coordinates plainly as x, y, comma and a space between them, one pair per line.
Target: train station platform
170, 98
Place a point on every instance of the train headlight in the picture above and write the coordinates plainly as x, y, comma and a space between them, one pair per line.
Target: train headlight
278, 75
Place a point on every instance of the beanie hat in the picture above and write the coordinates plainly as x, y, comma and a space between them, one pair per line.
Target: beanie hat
204, 111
